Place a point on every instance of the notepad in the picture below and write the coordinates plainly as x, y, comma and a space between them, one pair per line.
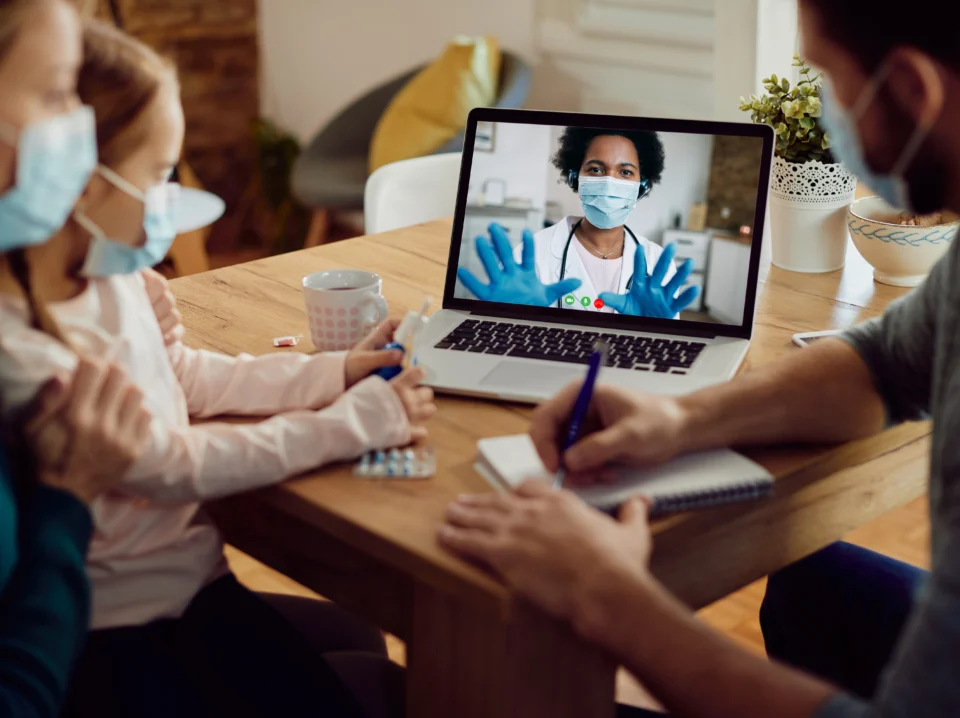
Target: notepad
688, 482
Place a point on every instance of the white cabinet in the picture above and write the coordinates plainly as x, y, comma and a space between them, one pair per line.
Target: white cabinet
727, 271
690, 245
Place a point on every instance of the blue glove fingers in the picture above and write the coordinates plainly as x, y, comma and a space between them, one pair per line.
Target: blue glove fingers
529, 256
663, 264
488, 256
639, 270
686, 298
474, 285
678, 279
501, 242
555, 291
618, 302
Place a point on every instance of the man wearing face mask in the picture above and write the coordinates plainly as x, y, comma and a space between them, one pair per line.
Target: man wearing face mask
864, 635
594, 262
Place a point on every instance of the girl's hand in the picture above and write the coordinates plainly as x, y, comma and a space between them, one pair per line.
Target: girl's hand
367, 356
85, 434
417, 400
164, 306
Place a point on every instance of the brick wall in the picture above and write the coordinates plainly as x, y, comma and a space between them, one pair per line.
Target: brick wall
214, 44
734, 175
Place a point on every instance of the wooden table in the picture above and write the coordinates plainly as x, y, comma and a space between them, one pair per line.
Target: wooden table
473, 650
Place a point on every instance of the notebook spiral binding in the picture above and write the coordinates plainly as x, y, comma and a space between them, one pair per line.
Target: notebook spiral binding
746, 491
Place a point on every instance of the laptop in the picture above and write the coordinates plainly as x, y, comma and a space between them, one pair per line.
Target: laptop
524, 306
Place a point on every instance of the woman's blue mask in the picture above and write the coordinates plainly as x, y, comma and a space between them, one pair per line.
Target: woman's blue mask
841, 127
106, 256
607, 202
55, 160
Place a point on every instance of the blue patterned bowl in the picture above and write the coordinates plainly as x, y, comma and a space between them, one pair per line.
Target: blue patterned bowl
901, 255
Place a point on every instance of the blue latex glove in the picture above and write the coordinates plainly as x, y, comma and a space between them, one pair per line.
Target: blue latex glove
511, 283
649, 296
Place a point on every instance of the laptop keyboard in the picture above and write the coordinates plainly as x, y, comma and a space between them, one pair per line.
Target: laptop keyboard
572, 345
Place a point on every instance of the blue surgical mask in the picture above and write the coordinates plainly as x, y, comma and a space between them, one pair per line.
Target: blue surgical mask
841, 126
607, 202
55, 159
107, 256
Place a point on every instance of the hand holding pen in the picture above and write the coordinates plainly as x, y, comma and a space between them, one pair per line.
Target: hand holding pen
581, 407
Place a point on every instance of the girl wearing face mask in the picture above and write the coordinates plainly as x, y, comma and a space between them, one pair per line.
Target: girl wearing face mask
174, 633
592, 262
80, 436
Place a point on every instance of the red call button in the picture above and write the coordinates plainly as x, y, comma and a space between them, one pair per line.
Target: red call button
598, 303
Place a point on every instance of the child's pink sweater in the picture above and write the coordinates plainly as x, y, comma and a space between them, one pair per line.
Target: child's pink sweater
154, 546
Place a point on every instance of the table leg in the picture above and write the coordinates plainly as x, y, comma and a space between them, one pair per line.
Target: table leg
469, 664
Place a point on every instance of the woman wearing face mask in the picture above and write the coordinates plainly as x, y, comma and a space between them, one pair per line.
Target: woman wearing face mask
81, 435
174, 633
594, 262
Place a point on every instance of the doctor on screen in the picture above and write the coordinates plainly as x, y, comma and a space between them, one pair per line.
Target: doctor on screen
594, 262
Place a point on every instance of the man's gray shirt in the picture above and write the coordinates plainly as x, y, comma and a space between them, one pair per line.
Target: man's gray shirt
913, 352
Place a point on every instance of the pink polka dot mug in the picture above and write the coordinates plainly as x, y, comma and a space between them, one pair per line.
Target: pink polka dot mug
343, 306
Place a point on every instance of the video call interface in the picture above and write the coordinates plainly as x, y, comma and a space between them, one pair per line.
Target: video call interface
630, 222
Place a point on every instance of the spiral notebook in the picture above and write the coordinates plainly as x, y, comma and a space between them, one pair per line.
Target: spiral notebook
689, 482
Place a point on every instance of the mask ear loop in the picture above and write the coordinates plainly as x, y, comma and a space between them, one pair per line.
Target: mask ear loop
924, 127
920, 133
120, 183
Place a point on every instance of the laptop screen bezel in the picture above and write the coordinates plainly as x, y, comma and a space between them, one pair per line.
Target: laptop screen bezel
601, 319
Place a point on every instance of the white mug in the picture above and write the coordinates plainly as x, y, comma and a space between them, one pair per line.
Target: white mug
343, 306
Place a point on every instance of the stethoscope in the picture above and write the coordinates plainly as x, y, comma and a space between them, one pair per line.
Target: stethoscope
571, 181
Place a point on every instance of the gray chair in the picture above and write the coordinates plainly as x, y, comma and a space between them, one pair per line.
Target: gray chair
332, 171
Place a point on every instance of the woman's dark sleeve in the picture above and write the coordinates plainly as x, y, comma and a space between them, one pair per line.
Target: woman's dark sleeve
45, 607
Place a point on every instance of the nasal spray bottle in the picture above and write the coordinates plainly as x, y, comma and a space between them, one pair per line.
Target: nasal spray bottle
405, 339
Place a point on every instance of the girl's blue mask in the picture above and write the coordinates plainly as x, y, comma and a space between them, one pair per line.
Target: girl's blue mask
841, 127
607, 202
55, 160
106, 256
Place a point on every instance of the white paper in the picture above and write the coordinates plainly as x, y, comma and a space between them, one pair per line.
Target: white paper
510, 460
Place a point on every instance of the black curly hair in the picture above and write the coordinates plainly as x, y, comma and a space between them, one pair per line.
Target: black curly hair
575, 140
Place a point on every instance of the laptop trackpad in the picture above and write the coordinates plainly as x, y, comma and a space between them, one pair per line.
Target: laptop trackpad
531, 377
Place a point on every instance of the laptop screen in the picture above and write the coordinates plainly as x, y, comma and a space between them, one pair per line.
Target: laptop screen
624, 222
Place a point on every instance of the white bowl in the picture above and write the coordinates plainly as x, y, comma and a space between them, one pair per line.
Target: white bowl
900, 255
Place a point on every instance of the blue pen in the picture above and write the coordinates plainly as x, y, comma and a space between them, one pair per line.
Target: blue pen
581, 407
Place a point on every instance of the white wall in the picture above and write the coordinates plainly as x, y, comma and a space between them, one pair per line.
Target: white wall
319, 55
685, 178
518, 160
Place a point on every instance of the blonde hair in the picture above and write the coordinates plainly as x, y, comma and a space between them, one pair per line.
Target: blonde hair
13, 14
120, 78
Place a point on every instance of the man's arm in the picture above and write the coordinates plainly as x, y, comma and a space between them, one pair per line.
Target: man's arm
823, 393
692, 670
837, 389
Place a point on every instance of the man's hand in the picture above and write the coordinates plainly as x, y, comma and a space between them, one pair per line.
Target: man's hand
650, 296
368, 355
512, 283
164, 306
620, 428
551, 547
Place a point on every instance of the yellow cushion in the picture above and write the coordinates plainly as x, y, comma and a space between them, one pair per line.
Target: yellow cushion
433, 107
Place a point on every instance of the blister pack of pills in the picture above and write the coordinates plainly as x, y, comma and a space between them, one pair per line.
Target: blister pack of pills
413, 463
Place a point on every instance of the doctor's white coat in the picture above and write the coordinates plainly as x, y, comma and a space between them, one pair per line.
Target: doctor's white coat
550, 243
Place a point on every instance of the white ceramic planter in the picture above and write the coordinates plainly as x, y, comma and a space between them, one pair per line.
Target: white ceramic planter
900, 255
808, 213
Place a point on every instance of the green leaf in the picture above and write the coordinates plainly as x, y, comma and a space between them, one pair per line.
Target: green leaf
785, 84
808, 123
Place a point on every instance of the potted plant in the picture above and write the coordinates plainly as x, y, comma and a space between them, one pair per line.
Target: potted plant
810, 191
